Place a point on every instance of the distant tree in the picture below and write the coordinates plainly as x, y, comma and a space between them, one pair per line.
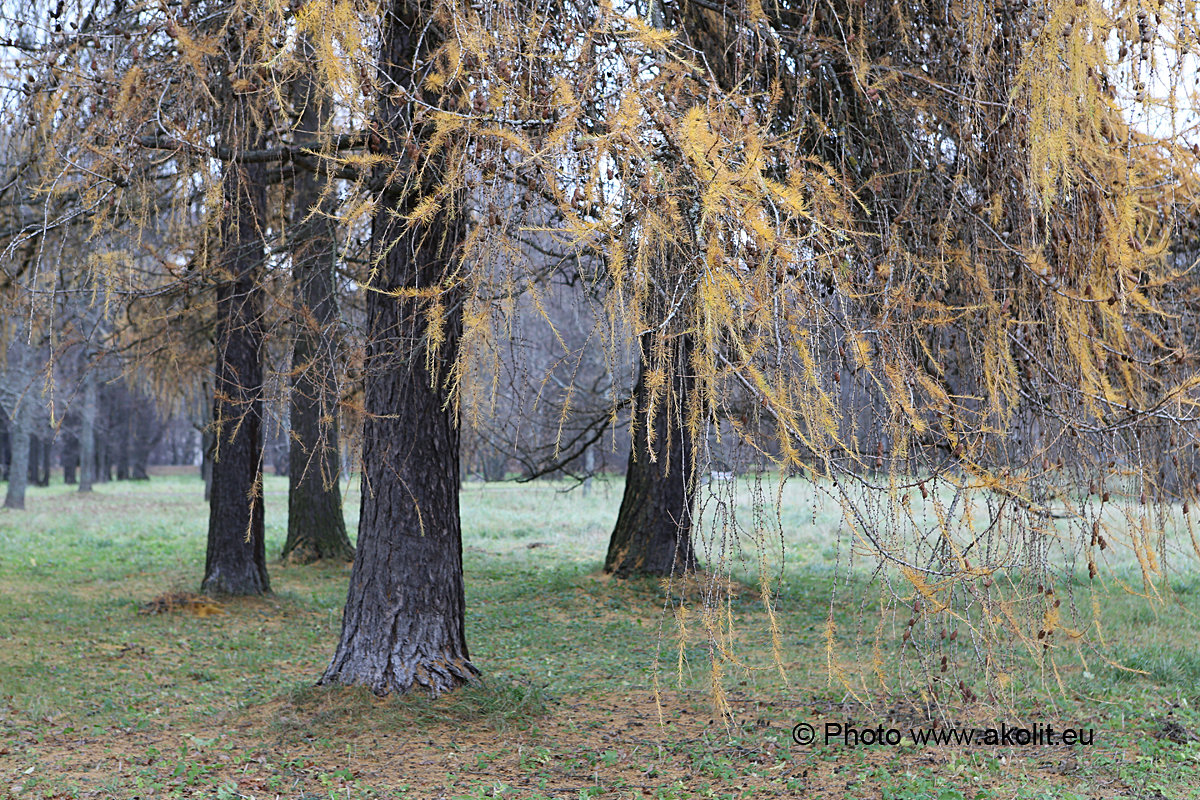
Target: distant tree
20, 393
87, 428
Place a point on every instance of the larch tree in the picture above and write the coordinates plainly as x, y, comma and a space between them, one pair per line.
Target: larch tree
653, 531
178, 184
316, 527
947, 206
404, 625
997, 296
235, 562
168, 186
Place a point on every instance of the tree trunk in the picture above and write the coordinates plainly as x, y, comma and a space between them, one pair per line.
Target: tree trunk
19, 395
19, 440
103, 453
653, 534
589, 468
403, 626
146, 432
35, 459
5, 441
88, 432
123, 456
47, 453
316, 527
236, 558
206, 464
70, 459
122, 425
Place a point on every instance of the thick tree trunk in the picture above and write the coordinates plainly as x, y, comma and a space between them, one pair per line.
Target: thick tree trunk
236, 558
653, 534
235, 562
403, 626
316, 527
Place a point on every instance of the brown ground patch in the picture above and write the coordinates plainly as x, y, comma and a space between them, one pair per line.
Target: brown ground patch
632, 745
197, 604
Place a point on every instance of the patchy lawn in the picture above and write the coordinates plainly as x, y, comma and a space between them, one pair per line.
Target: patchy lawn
108, 694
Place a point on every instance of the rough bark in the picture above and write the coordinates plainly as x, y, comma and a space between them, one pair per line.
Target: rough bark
236, 558
652, 535
316, 527
403, 626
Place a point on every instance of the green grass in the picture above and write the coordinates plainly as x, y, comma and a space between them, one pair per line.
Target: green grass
98, 700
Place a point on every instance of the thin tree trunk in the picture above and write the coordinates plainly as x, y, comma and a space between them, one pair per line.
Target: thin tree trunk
236, 561
35, 459
123, 455
589, 468
19, 441
6, 443
47, 453
70, 459
316, 527
146, 433
122, 424
103, 449
206, 463
18, 378
403, 626
652, 535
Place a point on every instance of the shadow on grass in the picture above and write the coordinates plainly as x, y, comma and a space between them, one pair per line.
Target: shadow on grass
496, 703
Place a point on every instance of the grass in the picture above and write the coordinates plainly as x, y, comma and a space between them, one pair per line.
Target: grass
99, 700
